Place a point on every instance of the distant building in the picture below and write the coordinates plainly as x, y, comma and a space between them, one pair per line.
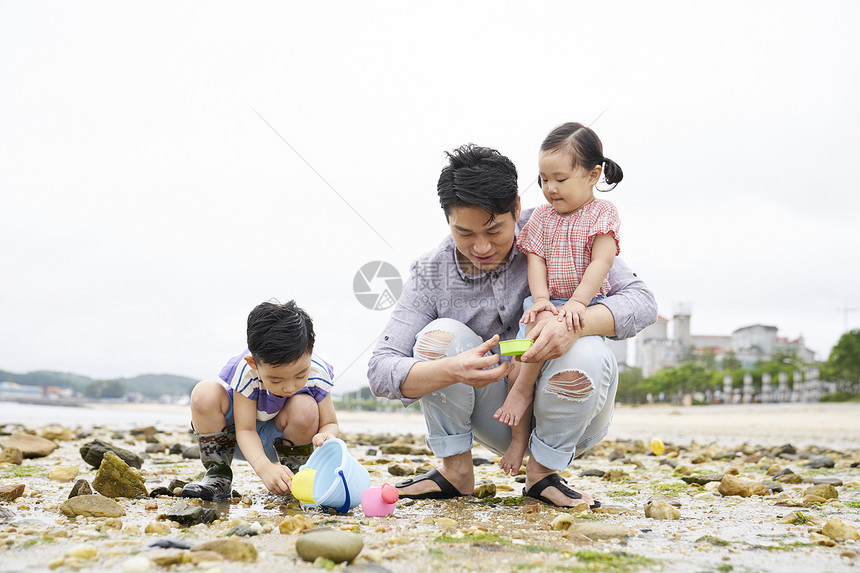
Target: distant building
15, 390
656, 350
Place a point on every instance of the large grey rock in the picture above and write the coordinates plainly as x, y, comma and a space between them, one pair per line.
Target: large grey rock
31, 446
338, 546
91, 506
93, 452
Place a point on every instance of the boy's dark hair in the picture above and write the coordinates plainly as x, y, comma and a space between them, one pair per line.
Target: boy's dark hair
478, 177
585, 149
279, 333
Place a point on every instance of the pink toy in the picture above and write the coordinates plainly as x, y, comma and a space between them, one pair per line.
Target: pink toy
377, 501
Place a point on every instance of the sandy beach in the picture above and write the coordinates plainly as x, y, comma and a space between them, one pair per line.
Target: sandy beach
712, 531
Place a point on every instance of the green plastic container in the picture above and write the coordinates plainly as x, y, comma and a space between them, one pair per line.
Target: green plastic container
515, 347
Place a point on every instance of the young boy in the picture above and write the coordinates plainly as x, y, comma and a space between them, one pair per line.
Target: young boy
273, 400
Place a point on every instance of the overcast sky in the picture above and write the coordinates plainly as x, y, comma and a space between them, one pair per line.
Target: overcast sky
166, 166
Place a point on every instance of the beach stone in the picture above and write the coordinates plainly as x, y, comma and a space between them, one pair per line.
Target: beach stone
242, 531
788, 476
191, 452
478, 461
230, 548
337, 546
834, 481
163, 491
396, 449
616, 475
187, 514
12, 455
83, 551
157, 528
11, 492
824, 490
661, 510
116, 479
820, 462
206, 557
599, 530
91, 506
56, 433
773, 486
63, 473
176, 483
170, 544
31, 446
485, 489
147, 432
170, 557
838, 530
155, 448
671, 500
731, 485
562, 522
81, 487
175, 449
399, 470
702, 479
294, 524
93, 453
137, 564
592, 473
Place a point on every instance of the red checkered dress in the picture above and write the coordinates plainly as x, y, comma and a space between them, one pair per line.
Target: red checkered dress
565, 242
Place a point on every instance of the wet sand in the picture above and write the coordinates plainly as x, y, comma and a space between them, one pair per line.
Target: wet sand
505, 532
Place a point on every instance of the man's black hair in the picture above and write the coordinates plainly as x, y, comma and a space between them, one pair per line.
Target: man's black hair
478, 177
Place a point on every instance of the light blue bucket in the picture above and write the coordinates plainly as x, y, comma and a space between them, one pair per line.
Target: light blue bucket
339, 479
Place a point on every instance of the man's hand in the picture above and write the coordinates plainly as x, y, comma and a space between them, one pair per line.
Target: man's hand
473, 368
278, 479
551, 340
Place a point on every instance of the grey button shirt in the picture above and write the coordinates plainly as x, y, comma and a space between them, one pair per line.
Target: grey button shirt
489, 303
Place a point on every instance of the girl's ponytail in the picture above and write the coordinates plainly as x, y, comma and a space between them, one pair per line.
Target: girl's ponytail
612, 173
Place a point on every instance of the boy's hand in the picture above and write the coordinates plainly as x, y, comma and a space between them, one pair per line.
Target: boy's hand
277, 478
321, 438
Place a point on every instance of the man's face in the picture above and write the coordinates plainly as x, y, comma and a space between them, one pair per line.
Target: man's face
286, 379
483, 244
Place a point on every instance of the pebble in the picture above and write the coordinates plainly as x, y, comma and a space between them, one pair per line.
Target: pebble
838, 530
824, 490
731, 485
91, 506
12, 455
93, 452
229, 548
337, 546
834, 481
84, 551
157, 528
31, 446
599, 530
562, 522
187, 514
63, 473
81, 487
137, 564
661, 510
11, 492
485, 489
702, 479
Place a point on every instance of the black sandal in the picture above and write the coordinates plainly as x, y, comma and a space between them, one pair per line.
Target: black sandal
558, 482
446, 490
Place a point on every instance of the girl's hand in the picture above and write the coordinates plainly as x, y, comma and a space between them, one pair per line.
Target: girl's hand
278, 479
321, 438
535, 309
574, 315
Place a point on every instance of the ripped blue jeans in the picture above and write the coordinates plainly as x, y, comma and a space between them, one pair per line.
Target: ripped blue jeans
573, 401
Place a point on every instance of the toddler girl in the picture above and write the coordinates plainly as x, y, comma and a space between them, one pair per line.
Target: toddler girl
571, 243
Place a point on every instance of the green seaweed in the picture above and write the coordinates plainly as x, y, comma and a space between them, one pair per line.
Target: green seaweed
852, 504
480, 539
15, 471
507, 500
713, 540
673, 488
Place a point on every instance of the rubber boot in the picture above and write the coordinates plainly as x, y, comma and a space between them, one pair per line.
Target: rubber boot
291, 455
216, 453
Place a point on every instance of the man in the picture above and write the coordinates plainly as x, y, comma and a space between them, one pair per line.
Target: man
461, 299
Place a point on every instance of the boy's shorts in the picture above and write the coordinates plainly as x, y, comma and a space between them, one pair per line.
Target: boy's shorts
267, 430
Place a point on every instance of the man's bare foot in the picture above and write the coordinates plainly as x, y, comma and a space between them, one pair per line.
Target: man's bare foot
513, 458
457, 469
536, 472
513, 409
